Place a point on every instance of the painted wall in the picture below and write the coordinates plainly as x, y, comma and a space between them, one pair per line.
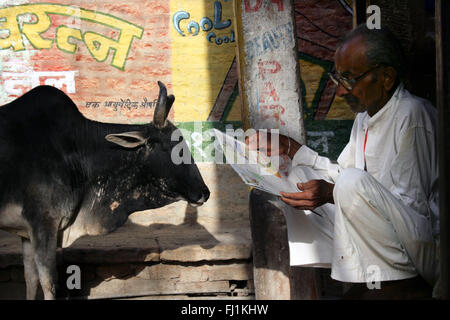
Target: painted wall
91, 50
108, 56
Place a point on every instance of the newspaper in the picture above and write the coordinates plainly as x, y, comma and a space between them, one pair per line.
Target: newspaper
269, 174
310, 232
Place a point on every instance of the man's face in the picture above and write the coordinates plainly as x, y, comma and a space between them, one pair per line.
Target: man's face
367, 93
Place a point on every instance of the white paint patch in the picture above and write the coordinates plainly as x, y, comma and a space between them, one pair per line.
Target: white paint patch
11, 61
17, 68
16, 83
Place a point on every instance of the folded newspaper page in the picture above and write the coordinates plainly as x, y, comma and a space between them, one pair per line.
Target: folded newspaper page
269, 174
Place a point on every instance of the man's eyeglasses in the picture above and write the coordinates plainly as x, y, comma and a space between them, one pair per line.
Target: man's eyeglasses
348, 84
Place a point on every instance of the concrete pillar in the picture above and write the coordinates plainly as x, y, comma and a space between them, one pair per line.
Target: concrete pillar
268, 65
271, 97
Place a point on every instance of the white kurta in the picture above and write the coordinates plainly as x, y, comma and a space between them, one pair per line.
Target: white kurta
385, 219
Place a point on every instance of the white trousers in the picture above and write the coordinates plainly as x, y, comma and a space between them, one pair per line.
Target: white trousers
368, 235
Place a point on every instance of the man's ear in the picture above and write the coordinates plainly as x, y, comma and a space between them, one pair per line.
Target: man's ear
390, 78
128, 140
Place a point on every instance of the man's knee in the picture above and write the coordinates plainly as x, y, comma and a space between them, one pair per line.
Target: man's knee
350, 182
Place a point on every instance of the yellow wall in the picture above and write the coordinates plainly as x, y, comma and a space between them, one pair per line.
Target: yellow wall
199, 67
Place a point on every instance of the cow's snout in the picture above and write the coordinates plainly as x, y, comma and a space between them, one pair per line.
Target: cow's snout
200, 197
206, 193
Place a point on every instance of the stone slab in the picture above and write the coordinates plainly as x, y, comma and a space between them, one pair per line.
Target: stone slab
131, 244
134, 287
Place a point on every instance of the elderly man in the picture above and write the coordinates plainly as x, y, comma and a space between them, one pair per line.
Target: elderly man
377, 208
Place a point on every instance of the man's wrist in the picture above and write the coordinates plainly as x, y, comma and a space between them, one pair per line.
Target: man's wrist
330, 193
290, 146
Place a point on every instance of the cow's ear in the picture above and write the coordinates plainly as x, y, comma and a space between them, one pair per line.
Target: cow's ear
130, 139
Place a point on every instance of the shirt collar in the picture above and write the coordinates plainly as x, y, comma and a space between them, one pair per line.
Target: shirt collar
388, 108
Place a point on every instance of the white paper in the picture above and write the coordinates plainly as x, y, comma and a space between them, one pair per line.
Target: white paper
263, 173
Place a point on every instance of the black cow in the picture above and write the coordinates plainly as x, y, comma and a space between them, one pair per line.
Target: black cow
62, 175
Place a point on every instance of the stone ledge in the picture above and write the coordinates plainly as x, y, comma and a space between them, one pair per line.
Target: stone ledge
131, 243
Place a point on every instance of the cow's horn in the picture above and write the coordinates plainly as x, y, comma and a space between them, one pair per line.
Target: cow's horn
160, 115
170, 100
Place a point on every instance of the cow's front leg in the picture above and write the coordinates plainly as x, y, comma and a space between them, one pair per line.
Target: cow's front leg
30, 269
44, 243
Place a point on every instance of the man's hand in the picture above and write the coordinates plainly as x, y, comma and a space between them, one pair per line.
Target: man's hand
315, 193
262, 141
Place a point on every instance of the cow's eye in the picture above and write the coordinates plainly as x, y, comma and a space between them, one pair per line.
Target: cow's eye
152, 141
150, 144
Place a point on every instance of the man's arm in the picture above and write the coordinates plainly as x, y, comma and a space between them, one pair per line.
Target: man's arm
315, 192
286, 145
